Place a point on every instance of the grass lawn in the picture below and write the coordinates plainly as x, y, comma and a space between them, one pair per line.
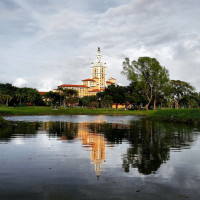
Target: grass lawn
190, 116
45, 110
3, 122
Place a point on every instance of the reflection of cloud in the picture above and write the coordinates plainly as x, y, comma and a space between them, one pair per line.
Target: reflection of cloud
18, 141
166, 171
78, 119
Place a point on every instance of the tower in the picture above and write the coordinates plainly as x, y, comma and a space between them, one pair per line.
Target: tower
99, 70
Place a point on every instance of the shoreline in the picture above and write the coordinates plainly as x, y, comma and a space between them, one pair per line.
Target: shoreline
186, 116
43, 110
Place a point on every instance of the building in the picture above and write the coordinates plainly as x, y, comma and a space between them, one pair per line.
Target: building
97, 82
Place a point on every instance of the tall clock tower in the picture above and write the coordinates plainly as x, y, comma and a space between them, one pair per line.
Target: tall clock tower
98, 70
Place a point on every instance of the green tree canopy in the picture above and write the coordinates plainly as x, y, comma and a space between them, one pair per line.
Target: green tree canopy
69, 96
53, 97
117, 93
179, 90
148, 75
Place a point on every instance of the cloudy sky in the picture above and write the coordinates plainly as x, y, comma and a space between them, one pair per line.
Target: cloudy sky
44, 43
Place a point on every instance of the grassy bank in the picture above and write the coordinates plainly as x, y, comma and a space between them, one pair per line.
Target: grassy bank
44, 110
3, 122
189, 116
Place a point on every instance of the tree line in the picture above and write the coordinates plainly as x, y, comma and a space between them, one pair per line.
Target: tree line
150, 81
150, 87
12, 96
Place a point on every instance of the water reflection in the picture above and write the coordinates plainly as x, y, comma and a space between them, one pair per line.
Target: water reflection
149, 143
91, 139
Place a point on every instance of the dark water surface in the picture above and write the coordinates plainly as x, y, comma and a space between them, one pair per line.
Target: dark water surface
98, 157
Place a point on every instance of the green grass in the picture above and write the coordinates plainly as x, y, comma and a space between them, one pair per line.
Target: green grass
3, 122
44, 110
189, 116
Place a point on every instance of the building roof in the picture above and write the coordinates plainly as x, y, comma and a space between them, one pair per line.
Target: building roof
108, 82
96, 90
69, 85
42, 93
89, 79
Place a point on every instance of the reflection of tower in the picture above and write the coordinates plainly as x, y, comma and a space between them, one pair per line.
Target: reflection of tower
98, 154
97, 144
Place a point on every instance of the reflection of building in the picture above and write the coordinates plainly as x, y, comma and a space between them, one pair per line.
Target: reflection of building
97, 144
98, 154
96, 83
92, 140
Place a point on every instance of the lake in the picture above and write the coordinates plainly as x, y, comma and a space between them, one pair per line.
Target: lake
98, 157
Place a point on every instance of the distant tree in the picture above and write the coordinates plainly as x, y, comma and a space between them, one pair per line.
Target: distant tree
92, 102
148, 75
20, 94
179, 90
2, 97
33, 96
11, 95
69, 96
83, 101
117, 93
107, 101
190, 100
7, 93
135, 97
53, 97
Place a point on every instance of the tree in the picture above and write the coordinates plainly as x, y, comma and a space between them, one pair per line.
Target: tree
135, 96
33, 95
7, 93
179, 90
2, 97
148, 75
117, 93
70, 96
54, 97
190, 100
20, 94
92, 102
107, 101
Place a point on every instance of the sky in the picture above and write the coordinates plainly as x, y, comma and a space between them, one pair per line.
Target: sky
46, 43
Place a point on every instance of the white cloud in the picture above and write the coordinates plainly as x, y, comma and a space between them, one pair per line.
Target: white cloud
58, 39
20, 82
48, 84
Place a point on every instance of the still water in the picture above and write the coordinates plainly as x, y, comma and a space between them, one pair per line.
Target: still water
98, 157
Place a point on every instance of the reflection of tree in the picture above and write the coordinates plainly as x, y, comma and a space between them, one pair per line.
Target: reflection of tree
22, 128
65, 130
151, 143
114, 133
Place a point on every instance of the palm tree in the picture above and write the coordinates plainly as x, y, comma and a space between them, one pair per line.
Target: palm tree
2, 97
8, 98
20, 94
